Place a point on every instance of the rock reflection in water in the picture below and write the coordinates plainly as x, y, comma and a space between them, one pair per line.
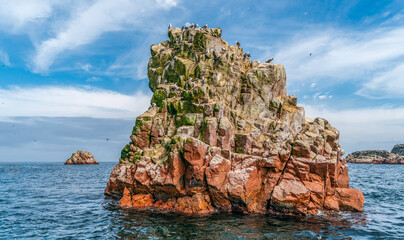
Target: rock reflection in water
131, 223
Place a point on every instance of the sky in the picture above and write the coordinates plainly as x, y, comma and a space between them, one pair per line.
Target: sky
74, 73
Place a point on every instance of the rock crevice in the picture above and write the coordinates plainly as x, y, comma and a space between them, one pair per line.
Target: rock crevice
223, 135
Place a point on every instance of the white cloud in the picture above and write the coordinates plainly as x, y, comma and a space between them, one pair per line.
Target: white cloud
90, 23
16, 14
339, 55
364, 128
322, 96
388, 84
4, 58
52, 101
94, 79
86, 67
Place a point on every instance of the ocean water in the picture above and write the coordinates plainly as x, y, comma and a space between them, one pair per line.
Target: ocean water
54, 201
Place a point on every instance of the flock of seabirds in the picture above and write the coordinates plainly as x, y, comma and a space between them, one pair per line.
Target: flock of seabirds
215, 58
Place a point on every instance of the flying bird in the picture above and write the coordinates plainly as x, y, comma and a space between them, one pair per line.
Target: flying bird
269, 60
310, 54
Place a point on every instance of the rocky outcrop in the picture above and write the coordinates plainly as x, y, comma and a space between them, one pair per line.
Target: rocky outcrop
223, 135
81, 158
376, 157
398, 149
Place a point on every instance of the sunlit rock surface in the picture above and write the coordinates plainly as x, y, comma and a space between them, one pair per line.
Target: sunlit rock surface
223, 135
377, 156
81, 158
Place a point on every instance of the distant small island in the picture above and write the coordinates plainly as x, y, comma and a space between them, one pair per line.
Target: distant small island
81, 158
396, 156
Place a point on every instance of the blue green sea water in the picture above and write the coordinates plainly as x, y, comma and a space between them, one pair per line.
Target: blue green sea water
54, 201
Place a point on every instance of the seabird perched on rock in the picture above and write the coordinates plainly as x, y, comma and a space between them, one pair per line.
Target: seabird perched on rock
203, 80
181, 38
269, 61
182, 28
186, 28
169, 26
223, 49
205, 27
238, 44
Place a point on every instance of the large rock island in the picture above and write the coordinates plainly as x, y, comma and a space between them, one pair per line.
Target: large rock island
81, 158
396, 156
223, 135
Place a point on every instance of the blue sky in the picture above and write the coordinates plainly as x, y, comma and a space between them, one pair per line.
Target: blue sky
73, 73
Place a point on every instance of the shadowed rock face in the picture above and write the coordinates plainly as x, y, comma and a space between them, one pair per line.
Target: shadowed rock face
376, 156
80, 158
223, 135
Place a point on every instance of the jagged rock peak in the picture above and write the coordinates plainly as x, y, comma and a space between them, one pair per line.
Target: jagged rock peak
222, 134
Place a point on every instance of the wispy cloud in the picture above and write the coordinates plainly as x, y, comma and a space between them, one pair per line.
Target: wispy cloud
364, 128
4, 59
86, 67
53, 101
17, 14
330, 56
90, 23
385, 84
341, 55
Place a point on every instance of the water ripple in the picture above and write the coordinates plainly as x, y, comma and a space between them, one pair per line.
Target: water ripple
53, 201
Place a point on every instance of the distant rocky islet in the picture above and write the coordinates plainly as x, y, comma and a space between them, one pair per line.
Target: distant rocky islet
81, 158
396, 156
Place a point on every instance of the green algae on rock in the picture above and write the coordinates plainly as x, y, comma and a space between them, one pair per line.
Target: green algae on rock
223, 135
